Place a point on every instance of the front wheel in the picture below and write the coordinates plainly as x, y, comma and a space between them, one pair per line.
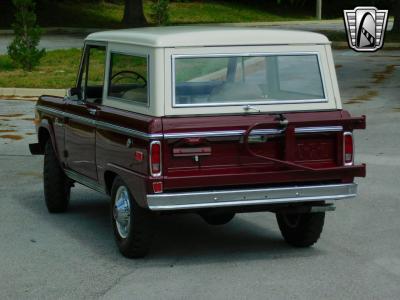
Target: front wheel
57, 187
131, 223
301, 229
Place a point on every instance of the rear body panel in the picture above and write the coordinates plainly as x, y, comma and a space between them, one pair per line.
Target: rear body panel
316, 143
204, 152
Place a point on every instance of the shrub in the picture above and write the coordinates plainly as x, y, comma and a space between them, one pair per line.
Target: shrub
159, 11
23, 49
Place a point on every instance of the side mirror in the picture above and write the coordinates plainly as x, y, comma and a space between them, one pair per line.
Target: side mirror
73, 94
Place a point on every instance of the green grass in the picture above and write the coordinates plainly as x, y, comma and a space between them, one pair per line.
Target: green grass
226, 12
109, 15
57, 69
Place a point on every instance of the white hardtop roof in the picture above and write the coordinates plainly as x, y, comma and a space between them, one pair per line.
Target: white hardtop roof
192, 36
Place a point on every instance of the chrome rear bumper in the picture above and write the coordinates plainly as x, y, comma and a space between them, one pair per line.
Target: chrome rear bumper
244, 197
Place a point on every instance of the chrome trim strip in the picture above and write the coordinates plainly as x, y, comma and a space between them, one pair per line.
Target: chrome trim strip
127, 131
80, 119
203, 134
177, 135
244, 197
60, 113
100, 124
265, 131
319, 129
50, 110
85, 181
224, 133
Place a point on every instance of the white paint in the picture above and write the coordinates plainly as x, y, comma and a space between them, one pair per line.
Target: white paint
190, 36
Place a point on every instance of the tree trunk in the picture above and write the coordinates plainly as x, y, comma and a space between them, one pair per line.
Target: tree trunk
396, 12
133, 13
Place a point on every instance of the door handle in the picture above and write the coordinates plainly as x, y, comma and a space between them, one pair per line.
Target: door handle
92, 111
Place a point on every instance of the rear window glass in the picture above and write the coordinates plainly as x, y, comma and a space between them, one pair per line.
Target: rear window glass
238, 80
128, 78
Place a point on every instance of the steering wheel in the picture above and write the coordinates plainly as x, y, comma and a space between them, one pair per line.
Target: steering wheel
136, 76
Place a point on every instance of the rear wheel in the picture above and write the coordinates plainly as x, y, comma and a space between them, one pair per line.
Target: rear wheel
218, 218
57, 186
131, 223
301, 229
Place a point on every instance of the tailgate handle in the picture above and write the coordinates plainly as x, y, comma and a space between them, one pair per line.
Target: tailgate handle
278, 161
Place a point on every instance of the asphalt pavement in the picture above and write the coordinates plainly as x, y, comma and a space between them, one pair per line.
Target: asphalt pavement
73, 255
48, 41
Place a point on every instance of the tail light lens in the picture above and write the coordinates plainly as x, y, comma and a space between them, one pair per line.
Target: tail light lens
155, 158
348, 146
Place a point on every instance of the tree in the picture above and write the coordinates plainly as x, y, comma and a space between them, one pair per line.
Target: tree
133, 13
396, 13
23, 49
159, 11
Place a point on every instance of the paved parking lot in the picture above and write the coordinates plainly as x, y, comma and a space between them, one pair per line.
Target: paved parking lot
73, 255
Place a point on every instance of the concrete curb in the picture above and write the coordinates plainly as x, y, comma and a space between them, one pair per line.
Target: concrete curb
27, 93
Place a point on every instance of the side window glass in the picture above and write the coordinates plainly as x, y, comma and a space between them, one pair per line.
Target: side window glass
128, 78
92, 80
97, 57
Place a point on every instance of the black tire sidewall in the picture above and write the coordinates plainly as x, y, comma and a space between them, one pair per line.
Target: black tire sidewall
56, 185
306, 232
137, 243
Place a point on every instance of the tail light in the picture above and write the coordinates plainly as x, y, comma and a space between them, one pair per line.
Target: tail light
348, 146
155, 158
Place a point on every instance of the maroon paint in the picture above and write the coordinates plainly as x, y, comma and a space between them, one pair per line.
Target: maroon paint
228, 165
80, 139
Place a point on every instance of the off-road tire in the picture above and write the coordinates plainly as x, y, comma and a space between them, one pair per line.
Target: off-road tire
139, 235
57, 186
218, 218
304, 231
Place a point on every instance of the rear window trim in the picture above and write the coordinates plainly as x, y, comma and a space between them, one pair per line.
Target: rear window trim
247, 54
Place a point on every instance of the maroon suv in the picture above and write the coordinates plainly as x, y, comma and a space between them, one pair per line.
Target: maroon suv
212, 120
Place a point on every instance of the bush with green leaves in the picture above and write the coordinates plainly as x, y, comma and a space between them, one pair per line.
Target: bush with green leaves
24, 48
159, 12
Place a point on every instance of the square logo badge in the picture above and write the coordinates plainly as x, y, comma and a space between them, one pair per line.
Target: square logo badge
365, 28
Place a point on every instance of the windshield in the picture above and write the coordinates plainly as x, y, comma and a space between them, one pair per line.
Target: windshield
255, 79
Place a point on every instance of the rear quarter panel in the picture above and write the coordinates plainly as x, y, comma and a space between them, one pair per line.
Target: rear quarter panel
115, 148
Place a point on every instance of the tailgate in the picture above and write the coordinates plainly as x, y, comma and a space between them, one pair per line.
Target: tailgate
256, 149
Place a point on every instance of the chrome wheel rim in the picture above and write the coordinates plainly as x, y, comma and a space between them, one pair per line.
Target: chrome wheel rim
122, 211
